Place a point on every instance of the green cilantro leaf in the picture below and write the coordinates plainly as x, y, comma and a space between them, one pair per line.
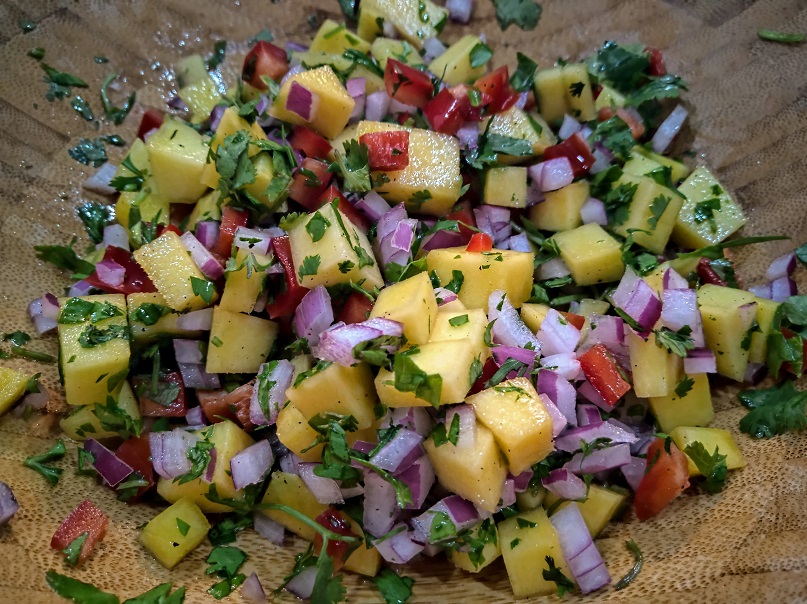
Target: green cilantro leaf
316, 226
199, 455
90, 152
73, 549
93, 336
354, 164
132, 182
441, 436
781, 37
159, 595
457, 279
615, 134
82, 108
801, 253
704, 210
411, 378
480, 55
203, 288
657, 208
554, 574
774, 410
149, 313
39, 462
219, 50
622, 67
684, 386
394, 588
523, 13
309, 266
113, 418
95, 217
637, 566
225, 531
225, 561
59, 82
524, 75
663, 87
458, 320
78, 591
576, 88
712, 466
676, 342
113, 113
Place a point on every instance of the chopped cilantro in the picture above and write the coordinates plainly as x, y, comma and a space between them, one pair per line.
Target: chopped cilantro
199, 455
394, 588
441, 436
554, 574
657, 209
704, 211
95, 217
774, 410
637, 566
37, 53
782, 37
458, 320
457, 279
224, 561
73, 549
676, 342
309, 266
90, 152
576, 88
712, 466
82, 108
216, 59
39, 462
59, 82
149, 313
203, 288
113, 113
524, 75
411, 378
316, 226
480, 55
523, 13
93, 336
78, 591
615, 134
684, 386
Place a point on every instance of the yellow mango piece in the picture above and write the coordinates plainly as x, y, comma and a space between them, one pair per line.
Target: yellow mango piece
491, 551
678, 170
728, 315
295, 433
506, 186
244, 285
370, 25
400, 50
334, 104
483, 273
289, 489
527, 539
337, 389
412, 303
12, 387
335, 38
239, 343
434, 166
462, 324
415, 20
474, 472
201, 97
599, 507
169, 265
550, 93
454, 65
560, 211
758, 353
151, 205
693, 409
178, 154
533, 315
655, 369
579, 97
591, 254
165, 325
710, 438
610, 98
328, 255
264, 173
519, 421
207, 208
175, 532
83, 423
517, 123
91, 374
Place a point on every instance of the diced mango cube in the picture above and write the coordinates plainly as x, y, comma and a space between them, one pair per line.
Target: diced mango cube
599, 507
239, 343
710, 438
560, 211
487, 532
289, 489
454, 65
653, 210
412, 303
591, 254
335, 38
167, 324
517, 123
12, 387
506, 186
175, 532
83, 422
178, 154
728, 316
693, 409
415, 20
243, 286
655, 369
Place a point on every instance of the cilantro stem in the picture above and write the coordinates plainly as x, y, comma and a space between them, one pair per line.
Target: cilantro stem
43, 357
637, 567
297, 515
779, 36
709, 251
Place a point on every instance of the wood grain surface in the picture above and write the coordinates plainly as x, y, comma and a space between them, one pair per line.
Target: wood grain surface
748, 102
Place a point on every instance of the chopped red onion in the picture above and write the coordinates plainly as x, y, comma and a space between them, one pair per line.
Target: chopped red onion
522, 482
606, 330
578, 549
373, 205
783, 266
269, 529
560, 392
399, 107
419, 477
188, 351
508, 497
467, 434
388, 30
519, 243
389, 221
461, 512
568, 127
338, 341
349, 492
521, 100
295, 47
252, 590
444, 296
564, 364
441, 240
302, 584
564, 484
600, 460
557, 335
207, 232
262, 106
400, 548
468, 135
313, 315
175, 102
111, 468
459, 11
672, 280
525, 355
754, 372
700, 361
602, 161
357, 88
509, 329
79, 288
195, 416
215, 117
194, 375
571, 440
290, 463
782, 289
377, 106
633, 471
397, 246
593, 211
637, 299
272, 381
36, 400
169, 452
302, 101
380, 506
116, 236
553, 269
432, 48
325, 490
668, 129
416, 419
587, 415
207, 263
110, 273
100, 181
494, 221
253, 240
44, 312
8, 503
679, 308
559, 421
197, 320
251, 465
400, 452
552, 174
762, 290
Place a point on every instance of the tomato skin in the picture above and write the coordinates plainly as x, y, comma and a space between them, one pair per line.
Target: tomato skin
356, 309
471, 113
480, 242
231, 219
285, 303
168, 227
137, 453
136, 279
151, 408
603, 374
355, 216
218, 404
707, 274
576, 150
634, 122
444, 112
305, 194
406, 84
309, 142
464, 214
576, 320
336, 522
497, 94
666, 477
85, 518
488, 369
387, 150
151, 120
657, 67
264, 59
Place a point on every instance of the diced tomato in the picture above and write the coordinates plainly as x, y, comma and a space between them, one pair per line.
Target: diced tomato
444, 112
665, 479
285, 303
135, 281
488, 369
657, 67
356, 309
464, 214
309, 182
86, 518
168, 227
151, 120
788, 334
265, 59
576, 320
603, 374
137, 453
336, 522
403, 118
231, 219
387, 150
576, 150
480, 242
707, 274
406, 84
348, 209
218, 404
630, 116
152, 408
469, 112
309, 142
497, 94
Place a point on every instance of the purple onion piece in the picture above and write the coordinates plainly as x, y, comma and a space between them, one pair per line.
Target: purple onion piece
325, 490
564, 484
111, 468
579, 550
509, 329
313, 315
668, 129
116, 235
269, 529
380, 506
194, 375
8, 503
419, 477
251, 465
271, 383
252, 590
400, 548
198, 320
570, 441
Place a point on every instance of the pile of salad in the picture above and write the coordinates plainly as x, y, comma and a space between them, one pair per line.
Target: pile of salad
398, 303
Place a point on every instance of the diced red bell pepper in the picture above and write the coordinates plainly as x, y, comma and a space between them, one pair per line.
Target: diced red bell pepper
387, 150
231, 219
406, 84
150, 407
356, 309
359, 220
464, 214
218, 404
135, 281
488, 369
444, 112
137, 454
309, 182
577, 320
657, 67
86, 518
480, 242
285, 303
168, 227
576, 150
336, 522
665, 479
707, 274
151, 120
497, 94
603, 374
264, 59
631, 118
309, 142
